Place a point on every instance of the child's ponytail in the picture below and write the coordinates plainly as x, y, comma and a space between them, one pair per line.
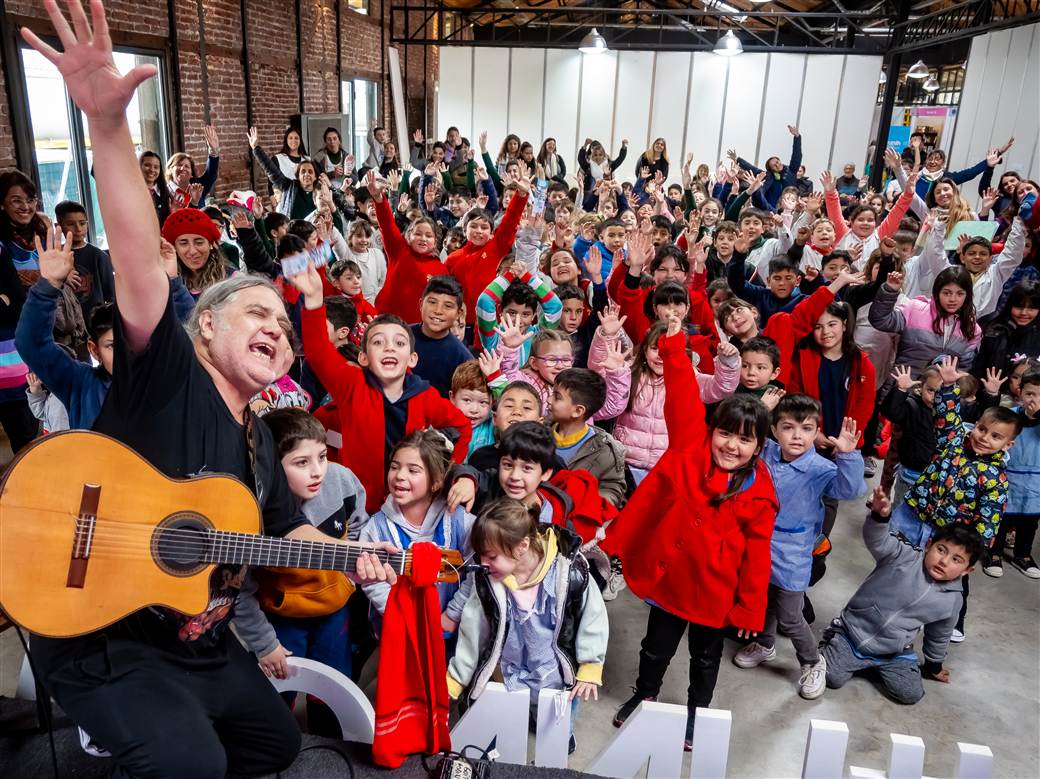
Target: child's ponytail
740, 415
503, 525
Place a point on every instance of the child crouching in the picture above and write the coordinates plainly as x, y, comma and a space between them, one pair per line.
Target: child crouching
535, 610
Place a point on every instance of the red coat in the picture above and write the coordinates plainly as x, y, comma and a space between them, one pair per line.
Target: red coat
705, 342
359, 401
576, 501
859, 403
707, 564
477, 266
787, 329
406, 270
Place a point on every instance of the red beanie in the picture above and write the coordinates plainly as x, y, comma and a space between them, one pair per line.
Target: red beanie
190, 221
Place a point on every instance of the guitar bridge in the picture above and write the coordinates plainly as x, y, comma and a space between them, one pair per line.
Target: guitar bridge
83, 537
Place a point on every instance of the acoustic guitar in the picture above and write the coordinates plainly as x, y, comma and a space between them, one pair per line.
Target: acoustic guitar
90, 532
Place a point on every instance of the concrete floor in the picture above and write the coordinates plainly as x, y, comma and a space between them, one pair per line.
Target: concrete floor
993, 698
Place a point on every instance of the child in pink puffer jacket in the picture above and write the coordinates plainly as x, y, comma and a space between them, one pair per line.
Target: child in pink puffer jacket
641, 427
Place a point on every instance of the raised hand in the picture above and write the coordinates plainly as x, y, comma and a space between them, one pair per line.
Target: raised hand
640, 250
911, 180
394, 177
523, 178
793, 130
756, 183
375, 186
240, 219
1010, 142
610, 320
209, 132
887, 246
904, 381
617, 357
880, 503
482, 140
35, 385
771, 397
731, 154
404, 203
697, 253
948, 369
813, 203
55, 259
309, 283
594, 264
845, 442
855, 251
994, 381
511, 333
895, 281
168, 255
721, 174
417, 136
253, 137
993, 157
674, 326
490, 362
195, 194
827, 181
644, 172
91, 77
989, 199
518, 269
811, 273
481, 200
726, 349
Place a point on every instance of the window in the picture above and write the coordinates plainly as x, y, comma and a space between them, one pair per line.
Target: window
61, 138
361, 103
361, 6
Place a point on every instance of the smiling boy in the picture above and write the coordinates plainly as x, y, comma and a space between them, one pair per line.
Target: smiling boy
439, 351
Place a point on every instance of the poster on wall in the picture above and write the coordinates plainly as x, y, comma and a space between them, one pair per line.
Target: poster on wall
898, 138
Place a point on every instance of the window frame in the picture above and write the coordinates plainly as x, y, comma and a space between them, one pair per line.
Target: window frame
78, 130
348, 85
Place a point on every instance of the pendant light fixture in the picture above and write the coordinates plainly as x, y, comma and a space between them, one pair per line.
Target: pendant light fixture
729, 45
593, 43
918, 70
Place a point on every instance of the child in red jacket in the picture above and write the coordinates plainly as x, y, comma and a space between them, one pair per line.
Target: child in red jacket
379, 403
475, 263
410, 259
694, 537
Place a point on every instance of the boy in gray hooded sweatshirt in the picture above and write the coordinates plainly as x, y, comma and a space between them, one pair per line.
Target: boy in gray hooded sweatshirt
909, 589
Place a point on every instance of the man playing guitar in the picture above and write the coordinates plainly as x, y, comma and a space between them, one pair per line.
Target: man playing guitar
170, 695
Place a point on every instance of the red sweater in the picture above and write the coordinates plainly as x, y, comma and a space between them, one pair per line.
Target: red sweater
361, 404
787, 329
859, 402
407, 271
477, 266
707, 564
705, 342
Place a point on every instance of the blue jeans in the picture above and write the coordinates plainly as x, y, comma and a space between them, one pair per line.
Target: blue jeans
325, 639
906, 523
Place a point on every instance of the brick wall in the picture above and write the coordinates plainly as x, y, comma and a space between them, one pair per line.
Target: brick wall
273, 68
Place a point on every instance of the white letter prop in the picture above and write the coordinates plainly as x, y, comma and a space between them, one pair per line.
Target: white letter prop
355, 714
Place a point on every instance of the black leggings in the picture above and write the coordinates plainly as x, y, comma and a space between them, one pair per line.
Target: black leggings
1024, 526
160, 718
664, 631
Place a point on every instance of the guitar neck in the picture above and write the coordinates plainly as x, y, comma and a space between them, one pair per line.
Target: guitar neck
269, 552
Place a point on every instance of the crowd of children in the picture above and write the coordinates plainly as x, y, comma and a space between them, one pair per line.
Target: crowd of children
591, 380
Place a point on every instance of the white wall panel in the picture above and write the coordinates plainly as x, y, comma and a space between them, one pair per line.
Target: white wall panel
596, 112
525, 94
852, 131
705, 113
562, 67
490, 78
989, 101
1026, 129
782, 91
632, 108
671, 82
743, 109
455, 90
1013, 88
973, 86
819, 99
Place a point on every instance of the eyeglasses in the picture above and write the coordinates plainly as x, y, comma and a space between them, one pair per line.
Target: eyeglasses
18, 202
553, 361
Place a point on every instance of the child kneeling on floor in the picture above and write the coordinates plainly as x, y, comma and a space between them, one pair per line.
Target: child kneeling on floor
909, 589
534, 610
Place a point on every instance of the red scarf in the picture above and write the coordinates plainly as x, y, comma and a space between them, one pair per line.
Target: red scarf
412, 691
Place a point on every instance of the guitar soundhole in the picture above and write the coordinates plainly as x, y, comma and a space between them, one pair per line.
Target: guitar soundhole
181, 544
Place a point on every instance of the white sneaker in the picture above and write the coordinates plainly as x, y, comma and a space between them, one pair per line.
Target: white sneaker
957, 636
813, 680
754, 654
869, 467
615, 584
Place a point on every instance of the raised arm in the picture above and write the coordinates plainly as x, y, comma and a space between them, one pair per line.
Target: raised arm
683, 408
98, 89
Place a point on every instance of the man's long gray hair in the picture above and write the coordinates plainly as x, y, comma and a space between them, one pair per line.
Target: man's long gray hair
220, 294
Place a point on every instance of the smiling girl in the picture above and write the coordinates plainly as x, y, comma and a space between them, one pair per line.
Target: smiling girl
862, 228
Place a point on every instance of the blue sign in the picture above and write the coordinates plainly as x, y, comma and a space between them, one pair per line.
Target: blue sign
898, 138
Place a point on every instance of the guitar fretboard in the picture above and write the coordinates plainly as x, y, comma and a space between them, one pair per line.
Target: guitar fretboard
246, 549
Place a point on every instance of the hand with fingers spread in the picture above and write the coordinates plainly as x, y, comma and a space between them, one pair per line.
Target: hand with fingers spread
771, 397
894, 281
827, 181
948, 369
594, 264
375, 187
610, 320
511, 333
880, 503
994, 381
640, 250
490, 362
586, 691
793, 130
240, 219
732, 154
195, 191
904, 381
892, 159
55, 259
813, 203
617, 357
309, 283
417, 137
209, 132
845, 442
989, 199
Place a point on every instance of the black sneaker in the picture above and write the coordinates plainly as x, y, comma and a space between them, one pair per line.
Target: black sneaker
1026, 565
629, 706
994, 566
688, 743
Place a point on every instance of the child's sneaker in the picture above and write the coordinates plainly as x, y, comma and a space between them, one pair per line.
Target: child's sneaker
813, 680
957, 636
994, 566
615, 581
1026, 565
869, 467
626, 709
753, 655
